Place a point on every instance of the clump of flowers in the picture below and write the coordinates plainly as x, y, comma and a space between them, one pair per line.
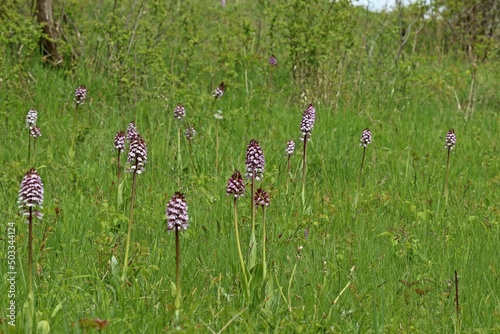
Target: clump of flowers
30, 200
131, 131
306, 126
190, 133
179, 114
451, 140
31, 119
177, 220
289, 149
255, 163
219, 91
261, 199
119, 147
272, 61
236, 188
80, 94
366, 138
137, 158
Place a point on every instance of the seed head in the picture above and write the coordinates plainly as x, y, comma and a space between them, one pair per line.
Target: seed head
80, 94
255, 160
261, 198
272, 61
307, 123
219, 91
120, 141
190, 133
290, 147
31, 193
366, 138
131, 132
137, 155
235, 185
35, 131
179, 112
31, 118
177, 215
451, 139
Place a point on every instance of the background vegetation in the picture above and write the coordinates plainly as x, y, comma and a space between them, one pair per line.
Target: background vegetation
380, 256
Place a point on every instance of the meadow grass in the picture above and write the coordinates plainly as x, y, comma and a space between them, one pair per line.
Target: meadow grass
378, 257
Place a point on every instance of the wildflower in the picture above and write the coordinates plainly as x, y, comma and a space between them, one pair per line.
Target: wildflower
179, 112
366, 138
290, 147
307, 123
272, 61
120, 141
35, 132
31, 118
31, 193
190, 133
255, 160
177, 215
235, 185
80, 94
451, 139
261, 198
131, 131
219, 91
137, 155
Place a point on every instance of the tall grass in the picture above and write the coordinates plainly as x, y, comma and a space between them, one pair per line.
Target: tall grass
386, 264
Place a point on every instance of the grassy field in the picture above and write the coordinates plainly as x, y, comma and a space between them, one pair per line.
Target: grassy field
387, 254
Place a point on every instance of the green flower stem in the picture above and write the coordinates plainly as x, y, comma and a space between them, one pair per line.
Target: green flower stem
240, 254
74, 127
177, 272
362, 163
130, 221
179, 158
304, 169
264, 263
446, 181
30, 250
253, 252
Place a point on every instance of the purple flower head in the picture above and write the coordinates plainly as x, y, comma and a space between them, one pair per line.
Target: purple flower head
272, 61
255, 160
177, 215
179, 112
290, 147
120, 141
366, 138
31, 118
137, 155
307, 123
261, 198
35, 132
219, 91
190, 133
131, 132
80, 94
235, 185
31, 193
451, 139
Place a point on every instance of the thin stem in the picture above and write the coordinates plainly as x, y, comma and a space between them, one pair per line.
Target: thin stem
362, 163
179, 159
304, 171
177, 271
34, 150
240, 254
216, 147
264, 264
457, 303
30, 250
118, 167
253, 252
130, 221
446, 181
29, 147
288, 172
74, 128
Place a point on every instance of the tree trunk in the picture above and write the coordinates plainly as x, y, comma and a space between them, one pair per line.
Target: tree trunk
47, 42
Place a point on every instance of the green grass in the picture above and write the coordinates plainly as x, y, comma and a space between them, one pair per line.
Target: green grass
378, 258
